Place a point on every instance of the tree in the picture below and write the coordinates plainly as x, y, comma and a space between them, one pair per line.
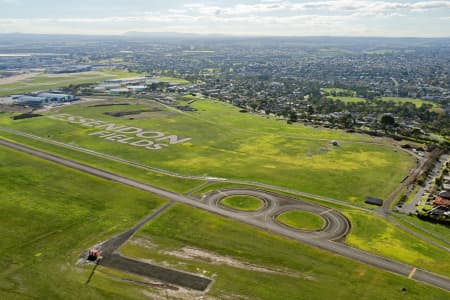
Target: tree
347, 120
387, 122
293, 116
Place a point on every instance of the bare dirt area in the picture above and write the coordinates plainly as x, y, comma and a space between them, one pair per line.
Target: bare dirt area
180, 293
215, 259
13, 108
14, 79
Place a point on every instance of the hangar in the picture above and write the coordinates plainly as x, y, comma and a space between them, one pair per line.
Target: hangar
43, 99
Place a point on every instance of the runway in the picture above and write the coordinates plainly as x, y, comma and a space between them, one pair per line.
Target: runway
336, 228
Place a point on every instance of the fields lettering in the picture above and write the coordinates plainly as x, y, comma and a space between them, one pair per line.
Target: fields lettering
121, 133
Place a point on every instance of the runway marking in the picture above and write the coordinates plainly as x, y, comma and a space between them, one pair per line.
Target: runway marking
325, 212
411, 274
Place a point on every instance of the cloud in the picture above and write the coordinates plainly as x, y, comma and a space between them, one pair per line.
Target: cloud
340, 6
10, 1
274, 17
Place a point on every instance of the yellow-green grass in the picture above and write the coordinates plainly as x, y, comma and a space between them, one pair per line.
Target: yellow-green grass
339, 90
413, 194
382, 51
48, 81
50, 215
258, 259
224, 141
172, 79
415, 101
376, 235
347, 99
302, 220
333, 51
439, 232
366, 229
171, 183
198, 51
242, 202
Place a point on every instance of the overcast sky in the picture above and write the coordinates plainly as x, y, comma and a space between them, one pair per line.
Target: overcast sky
235, 17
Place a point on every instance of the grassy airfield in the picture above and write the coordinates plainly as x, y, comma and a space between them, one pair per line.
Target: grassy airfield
49, 215
248, 263
41, 81
43, 236
233, 145
300, 272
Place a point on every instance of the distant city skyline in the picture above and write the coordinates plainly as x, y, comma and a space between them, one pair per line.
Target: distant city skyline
397, 18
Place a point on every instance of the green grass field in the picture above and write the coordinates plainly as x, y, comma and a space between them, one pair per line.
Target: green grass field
400, 100
441, 231
347, 99
172, 79
302, 220
376, 235
49, 81
49, 215
373, 234
247, 262
224, 141
41, 243
175, 184
338, 90
244, 203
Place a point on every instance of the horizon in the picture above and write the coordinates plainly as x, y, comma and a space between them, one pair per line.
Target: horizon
246, 18
171, 34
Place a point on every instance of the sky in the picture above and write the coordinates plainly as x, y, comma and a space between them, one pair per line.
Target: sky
396, 18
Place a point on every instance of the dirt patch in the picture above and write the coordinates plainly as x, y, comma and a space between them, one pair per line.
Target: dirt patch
13, 108
143, 243
119, 114
14, 79
179, 294
215, 259
26, 116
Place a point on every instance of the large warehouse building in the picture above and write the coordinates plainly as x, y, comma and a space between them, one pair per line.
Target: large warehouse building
44, 99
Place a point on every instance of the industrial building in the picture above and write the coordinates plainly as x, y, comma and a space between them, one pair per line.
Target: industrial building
43, 99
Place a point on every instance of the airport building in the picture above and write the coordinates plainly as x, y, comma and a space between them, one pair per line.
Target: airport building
43, 99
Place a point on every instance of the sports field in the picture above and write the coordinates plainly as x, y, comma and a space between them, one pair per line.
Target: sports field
347, 99
415, 101
221, 142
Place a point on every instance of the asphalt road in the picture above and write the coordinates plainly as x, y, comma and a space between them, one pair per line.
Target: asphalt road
112, 258
264, 223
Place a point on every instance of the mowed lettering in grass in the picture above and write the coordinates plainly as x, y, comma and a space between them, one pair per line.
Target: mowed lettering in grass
133, 136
